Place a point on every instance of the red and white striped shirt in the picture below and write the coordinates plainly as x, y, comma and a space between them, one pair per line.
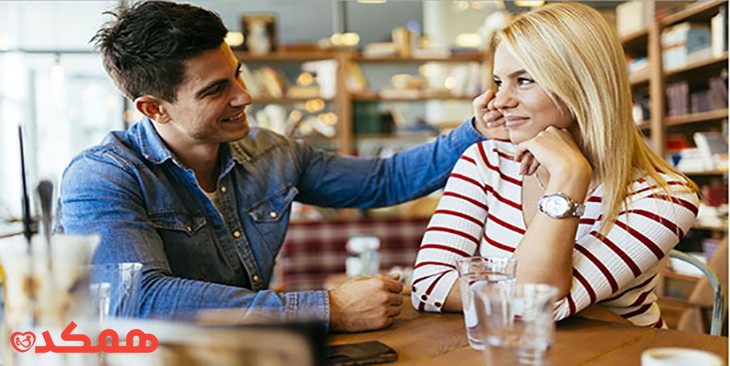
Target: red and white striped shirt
481, 212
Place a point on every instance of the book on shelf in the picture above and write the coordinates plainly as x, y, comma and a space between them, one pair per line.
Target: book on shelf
699, 101
380, 49
251, 83
677, 98
326, 71
431, 53
684, 43
399, 93
713, 149
689, 160
271, 82
637, 15
303, 92
356, 81
718, 29
466, 79
718, 92
641, 108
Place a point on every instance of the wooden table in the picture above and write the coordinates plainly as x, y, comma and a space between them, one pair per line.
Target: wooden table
440, 339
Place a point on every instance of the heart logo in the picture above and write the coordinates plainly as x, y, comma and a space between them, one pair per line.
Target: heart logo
22, 341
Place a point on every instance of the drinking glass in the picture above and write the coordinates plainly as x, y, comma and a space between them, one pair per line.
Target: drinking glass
517, 323
475, 270
114, 290
39, 291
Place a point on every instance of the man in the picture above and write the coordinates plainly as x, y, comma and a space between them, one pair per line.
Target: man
202, 200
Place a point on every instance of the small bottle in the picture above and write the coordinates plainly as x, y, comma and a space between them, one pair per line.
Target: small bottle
363, 258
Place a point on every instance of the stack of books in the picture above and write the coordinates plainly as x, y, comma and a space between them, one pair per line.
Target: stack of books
718, 92
685, 42
678, 98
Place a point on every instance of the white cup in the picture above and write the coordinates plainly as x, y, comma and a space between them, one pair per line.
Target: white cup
676, 356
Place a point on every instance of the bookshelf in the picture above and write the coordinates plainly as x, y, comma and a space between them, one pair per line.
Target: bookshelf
343, 101
654, 82
694, 118
653, 79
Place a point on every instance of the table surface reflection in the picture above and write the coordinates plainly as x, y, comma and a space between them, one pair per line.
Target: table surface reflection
439, 339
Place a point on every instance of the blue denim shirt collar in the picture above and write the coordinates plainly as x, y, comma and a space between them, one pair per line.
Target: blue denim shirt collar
150, 143
154, 149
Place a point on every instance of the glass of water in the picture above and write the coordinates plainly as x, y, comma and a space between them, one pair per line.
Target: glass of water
476, 270
517, 323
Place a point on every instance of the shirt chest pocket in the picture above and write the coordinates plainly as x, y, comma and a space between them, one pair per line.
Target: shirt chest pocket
179, 223
272, 208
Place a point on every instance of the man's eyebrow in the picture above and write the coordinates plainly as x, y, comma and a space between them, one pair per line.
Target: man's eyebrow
210, 86
216, 83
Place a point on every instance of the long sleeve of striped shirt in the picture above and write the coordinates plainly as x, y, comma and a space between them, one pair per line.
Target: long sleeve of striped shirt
480, 213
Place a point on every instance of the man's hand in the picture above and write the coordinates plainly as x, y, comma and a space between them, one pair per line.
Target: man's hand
487, 119
365, 303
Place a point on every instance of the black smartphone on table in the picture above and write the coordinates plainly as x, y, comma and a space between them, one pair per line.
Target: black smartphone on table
365, 353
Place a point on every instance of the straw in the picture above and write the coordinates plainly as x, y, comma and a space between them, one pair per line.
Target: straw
27, 232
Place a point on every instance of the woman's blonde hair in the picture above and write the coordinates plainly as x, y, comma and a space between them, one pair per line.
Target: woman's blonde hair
577, 57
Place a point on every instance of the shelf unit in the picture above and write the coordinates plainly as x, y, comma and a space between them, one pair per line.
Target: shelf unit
342, 102
653, 81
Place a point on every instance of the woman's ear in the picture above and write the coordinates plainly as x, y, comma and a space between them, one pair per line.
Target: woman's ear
152, 108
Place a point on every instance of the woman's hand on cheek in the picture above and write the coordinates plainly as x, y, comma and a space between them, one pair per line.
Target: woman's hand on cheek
487, 119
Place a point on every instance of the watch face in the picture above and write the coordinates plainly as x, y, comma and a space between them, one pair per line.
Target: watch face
556, 205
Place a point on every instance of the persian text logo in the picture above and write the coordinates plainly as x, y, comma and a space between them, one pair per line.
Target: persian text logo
108, 341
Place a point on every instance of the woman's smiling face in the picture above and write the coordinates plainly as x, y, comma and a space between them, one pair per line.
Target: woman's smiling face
526, 106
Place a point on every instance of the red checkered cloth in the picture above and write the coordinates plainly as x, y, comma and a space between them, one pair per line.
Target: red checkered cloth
313, 251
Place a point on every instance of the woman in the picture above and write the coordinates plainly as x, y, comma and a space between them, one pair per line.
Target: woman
601, 209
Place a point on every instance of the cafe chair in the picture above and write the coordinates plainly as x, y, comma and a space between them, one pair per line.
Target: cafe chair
718, 307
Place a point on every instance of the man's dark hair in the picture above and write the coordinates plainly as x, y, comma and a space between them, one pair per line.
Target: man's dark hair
145, 47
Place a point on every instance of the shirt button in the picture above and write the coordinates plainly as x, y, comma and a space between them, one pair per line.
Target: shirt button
224, 189
272, 214
424, 298
189, 229
256, 278
236, 234
437, 304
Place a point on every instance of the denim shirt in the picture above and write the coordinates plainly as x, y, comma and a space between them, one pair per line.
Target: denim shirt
148, 207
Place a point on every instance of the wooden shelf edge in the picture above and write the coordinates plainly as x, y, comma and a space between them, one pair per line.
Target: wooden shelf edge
368, 98
285, 100
639, 78
457, 57
691, 11
695, 117
285, 56
722, 59
634, 36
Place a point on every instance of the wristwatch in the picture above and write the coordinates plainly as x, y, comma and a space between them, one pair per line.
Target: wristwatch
560, 206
